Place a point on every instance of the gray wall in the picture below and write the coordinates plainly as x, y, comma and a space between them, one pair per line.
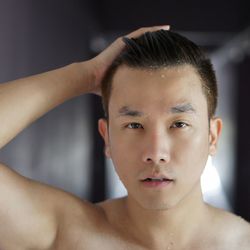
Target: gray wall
36, 36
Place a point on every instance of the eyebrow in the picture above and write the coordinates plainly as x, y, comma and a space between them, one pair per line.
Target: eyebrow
180, 108
126, 111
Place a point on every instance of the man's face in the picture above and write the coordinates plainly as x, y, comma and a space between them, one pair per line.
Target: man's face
158, 126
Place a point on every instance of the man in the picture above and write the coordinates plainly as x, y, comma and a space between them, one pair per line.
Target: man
159, 130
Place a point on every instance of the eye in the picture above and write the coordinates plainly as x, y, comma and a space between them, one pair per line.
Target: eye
180, 125
134, 125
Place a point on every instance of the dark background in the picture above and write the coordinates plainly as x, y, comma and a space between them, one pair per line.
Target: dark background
36, 36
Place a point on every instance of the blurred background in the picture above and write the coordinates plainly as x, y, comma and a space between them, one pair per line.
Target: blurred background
63, 148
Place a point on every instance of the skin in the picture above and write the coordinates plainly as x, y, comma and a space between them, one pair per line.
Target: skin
162, 139
157, 136
36, 216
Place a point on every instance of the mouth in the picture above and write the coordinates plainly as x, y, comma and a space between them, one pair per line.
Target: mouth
156, 182
155, 179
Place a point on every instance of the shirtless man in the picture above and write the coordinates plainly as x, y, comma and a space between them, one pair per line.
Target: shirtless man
159, 131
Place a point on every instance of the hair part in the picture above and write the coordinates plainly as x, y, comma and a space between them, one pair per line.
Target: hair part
160, 49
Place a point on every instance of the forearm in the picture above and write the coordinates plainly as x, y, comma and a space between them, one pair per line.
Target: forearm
25, 100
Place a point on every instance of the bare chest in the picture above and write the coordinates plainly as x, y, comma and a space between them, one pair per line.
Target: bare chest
105, 235
113, 241
96, 240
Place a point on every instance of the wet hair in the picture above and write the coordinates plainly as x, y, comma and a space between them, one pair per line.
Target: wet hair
161, 49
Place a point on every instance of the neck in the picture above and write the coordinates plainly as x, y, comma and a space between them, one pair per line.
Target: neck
166, 228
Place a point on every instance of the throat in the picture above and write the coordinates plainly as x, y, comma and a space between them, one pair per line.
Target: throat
158, 228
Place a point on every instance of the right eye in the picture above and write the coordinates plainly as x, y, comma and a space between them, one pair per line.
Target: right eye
134, 125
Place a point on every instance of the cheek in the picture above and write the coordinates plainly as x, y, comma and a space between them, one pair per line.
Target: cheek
191, 155
123, 155
122, 145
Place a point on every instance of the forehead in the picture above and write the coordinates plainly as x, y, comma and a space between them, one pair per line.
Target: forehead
156, 89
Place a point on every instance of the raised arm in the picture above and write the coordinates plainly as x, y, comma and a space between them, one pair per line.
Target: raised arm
23, 101
29, 211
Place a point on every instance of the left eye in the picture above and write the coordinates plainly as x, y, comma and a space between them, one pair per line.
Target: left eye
179, 125
134, 125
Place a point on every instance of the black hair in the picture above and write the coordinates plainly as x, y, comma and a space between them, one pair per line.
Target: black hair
162, 48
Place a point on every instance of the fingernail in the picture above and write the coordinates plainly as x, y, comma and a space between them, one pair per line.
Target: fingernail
166, 27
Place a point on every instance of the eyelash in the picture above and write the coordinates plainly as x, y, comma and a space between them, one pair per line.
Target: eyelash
184, 125
180, 122
133, 123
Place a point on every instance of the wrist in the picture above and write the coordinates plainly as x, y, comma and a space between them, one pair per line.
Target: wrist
81, 77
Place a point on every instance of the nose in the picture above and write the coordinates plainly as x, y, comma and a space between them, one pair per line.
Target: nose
156, 149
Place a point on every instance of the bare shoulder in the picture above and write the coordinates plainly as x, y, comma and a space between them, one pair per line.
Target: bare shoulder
113, 208
34, 213
232, 229
116, 214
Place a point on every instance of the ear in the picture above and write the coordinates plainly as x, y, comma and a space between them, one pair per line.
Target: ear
214, 134
103, 130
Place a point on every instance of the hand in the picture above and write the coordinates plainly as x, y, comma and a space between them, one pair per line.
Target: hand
100, 63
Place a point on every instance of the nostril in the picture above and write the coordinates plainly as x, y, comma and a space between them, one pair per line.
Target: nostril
160, 160
157, 160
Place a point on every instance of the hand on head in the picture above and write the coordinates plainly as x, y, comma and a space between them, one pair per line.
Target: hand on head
101, 62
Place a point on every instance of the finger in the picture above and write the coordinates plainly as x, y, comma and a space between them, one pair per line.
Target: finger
115, 48
119, 41
140, 31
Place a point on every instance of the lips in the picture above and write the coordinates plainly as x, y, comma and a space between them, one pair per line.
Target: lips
156, 179
159, 182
